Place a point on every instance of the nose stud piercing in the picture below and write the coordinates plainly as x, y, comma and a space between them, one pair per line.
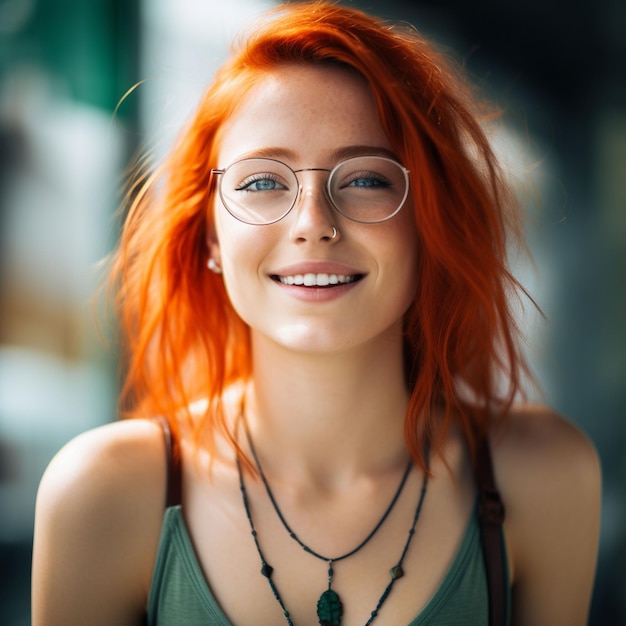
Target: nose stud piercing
214, 266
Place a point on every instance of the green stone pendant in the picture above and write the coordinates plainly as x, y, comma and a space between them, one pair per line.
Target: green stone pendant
329, 609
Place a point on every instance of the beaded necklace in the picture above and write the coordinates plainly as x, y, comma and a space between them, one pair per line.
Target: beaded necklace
329, 606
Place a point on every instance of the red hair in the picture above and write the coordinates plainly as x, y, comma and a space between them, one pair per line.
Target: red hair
183, 337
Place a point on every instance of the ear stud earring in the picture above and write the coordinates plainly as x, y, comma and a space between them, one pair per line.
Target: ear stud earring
214, 266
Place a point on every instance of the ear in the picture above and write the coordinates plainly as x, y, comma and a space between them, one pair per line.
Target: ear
213, 245
214, 252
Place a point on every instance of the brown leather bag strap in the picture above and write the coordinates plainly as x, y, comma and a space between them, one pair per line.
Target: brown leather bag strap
173, 466
491, 517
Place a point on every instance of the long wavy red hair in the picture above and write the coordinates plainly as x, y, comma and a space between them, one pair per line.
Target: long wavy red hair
184, 340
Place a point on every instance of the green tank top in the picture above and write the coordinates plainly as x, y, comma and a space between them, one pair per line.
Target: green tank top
180, 595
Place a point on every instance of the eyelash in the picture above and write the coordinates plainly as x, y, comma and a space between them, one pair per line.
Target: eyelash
381, 180
255, 178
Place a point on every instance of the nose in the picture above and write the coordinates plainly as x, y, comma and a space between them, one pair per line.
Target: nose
314, 213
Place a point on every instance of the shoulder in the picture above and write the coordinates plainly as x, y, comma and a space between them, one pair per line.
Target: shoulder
99, 510
105, 464
548, 472
537, 448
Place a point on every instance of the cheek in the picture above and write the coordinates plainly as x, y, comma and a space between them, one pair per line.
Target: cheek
242, 251
405, 242
231, 236
405, 251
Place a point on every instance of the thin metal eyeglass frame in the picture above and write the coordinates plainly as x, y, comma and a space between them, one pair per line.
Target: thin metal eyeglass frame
215, 171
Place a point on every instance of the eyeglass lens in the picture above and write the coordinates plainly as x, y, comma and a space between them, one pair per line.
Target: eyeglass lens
365, 189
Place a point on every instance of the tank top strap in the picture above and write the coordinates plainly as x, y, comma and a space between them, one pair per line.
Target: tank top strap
491, 518
173, 464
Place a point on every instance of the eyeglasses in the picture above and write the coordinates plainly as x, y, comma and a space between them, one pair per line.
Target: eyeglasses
367, 189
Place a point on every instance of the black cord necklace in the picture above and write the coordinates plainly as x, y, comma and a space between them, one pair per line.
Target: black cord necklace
329, 607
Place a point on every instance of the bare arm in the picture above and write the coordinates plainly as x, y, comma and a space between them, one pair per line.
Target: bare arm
99, 508
551, 482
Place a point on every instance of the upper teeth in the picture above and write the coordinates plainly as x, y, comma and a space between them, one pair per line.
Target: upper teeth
316, 280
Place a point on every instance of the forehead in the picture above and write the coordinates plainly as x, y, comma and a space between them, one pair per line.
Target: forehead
310, 111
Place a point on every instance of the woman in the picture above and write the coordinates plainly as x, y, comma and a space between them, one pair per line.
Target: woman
315, 296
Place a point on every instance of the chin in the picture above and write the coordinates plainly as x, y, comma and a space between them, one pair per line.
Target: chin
302, 337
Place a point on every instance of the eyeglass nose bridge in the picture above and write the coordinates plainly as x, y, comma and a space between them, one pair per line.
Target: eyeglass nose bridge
300, 192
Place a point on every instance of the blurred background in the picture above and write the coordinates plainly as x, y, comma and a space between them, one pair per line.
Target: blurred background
557, 69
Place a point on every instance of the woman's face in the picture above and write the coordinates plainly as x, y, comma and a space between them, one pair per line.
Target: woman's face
311, 117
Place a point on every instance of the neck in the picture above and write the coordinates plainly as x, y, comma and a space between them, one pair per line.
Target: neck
329, 415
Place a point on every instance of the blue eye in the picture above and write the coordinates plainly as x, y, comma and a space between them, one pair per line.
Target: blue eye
260, 182
366, 180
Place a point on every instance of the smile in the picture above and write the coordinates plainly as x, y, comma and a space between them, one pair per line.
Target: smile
317, 280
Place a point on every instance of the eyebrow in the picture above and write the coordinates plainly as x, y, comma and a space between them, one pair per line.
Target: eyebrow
352, 151
340, 154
